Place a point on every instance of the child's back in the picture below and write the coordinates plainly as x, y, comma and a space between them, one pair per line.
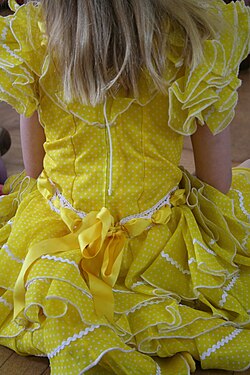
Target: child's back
114, 247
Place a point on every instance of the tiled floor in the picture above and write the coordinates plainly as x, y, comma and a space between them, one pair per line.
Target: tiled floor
12, 364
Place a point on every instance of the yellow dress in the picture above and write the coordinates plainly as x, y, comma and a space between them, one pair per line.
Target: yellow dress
117, 261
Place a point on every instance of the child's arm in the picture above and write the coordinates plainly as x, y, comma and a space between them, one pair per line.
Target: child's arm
212, 155
32, 139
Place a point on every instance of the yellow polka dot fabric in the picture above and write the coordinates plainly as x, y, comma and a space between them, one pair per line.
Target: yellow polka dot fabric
116, 260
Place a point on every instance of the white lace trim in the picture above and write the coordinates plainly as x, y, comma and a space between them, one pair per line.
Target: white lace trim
6, 303
71, 339
165, 201
220, 343
52, 207
241, 202
144, 304
227, 289
11, 255
63, 202
147, 214
175, 263
59, 259
209, 251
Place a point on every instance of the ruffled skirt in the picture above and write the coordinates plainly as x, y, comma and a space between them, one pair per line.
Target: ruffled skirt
146, 297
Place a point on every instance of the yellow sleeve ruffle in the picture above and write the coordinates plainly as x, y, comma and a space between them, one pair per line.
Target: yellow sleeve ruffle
208, 93
21, 57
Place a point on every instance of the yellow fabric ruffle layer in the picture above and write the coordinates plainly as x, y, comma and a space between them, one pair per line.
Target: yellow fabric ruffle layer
200, 313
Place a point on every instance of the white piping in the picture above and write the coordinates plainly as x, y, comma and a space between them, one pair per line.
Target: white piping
110, 148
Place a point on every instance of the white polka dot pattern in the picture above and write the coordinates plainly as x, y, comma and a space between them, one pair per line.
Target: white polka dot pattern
183, 287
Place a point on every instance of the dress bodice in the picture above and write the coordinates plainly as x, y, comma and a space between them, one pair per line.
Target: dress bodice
138, 159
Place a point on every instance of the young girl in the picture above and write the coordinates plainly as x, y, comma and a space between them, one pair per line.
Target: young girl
113, 259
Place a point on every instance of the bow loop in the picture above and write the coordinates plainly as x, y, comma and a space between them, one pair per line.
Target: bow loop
102, 245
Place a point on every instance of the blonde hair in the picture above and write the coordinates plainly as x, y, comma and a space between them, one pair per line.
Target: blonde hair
103, 45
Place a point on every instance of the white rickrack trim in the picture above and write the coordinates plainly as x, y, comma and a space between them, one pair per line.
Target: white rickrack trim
7, 48
59, 259
144, 304
165, 201
241, 201
209, 251
227, 289
175, 263
53, 208
158, 369
4, 33
220, 343
11, 255
6, 303
71, 339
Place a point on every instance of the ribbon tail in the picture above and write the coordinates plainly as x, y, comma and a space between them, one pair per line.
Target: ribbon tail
103, 297
50, 246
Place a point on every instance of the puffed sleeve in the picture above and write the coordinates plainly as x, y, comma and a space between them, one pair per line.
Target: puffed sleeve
21, 57
207, 94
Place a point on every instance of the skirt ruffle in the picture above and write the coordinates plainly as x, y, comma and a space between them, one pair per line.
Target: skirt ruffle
181, 295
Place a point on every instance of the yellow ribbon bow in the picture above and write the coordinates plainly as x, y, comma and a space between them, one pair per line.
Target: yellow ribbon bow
102, 244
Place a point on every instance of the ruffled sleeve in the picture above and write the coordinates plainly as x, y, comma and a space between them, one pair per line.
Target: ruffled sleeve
21, 57
208, 93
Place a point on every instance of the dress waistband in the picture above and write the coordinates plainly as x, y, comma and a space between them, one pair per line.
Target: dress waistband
57, 201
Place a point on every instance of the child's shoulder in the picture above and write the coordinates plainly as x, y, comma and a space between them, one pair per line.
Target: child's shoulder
23, 51
22, 34
208, 92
